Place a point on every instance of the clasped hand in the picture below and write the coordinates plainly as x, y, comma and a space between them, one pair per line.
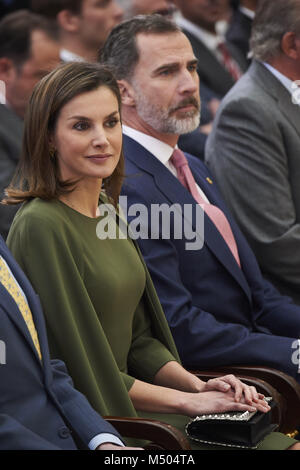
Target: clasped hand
225, 394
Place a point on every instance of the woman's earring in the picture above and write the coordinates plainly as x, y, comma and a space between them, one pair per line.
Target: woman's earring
52, 152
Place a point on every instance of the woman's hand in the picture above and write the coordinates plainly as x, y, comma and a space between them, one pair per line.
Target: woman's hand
230, 382
218, 402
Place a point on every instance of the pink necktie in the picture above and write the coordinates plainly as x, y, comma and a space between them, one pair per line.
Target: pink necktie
214, 213
229, 63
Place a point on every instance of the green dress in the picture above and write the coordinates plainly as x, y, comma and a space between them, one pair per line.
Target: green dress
102, 313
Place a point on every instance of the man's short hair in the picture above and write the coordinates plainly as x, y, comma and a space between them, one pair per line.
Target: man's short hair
51, 8
120, 51
273, 19
15, 34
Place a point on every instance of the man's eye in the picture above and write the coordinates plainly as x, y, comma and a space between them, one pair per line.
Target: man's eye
165, 72
192, 67
81, 126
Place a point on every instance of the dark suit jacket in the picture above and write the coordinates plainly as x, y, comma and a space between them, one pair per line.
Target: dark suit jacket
39, 408
11, 131
194, 142
239, 32
218, 313
210, 70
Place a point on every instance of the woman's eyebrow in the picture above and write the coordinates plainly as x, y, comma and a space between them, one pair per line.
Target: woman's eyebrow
85, 118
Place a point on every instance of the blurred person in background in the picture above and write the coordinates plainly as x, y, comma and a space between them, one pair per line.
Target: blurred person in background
239, 30
83, 24
146, 7
220, 64
253, 149
28, 51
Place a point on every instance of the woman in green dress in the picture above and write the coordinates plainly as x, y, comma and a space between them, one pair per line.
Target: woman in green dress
103, 315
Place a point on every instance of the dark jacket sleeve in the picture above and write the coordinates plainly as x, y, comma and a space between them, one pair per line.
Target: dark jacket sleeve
79, 413
15, 436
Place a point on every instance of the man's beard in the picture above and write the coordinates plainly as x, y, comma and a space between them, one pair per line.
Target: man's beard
163, 120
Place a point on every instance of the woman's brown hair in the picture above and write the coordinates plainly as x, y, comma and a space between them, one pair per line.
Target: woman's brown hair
37, 174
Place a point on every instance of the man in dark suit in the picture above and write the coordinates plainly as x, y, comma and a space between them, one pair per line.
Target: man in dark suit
220, 309
28, 51
11, 130
253, 149
220, 63
39, 407
239, 30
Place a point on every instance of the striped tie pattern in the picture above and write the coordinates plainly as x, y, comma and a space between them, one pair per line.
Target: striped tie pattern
217, 216
229, 63
12, 287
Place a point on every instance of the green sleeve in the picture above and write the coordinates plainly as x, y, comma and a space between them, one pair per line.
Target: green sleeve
51, 257
147, 354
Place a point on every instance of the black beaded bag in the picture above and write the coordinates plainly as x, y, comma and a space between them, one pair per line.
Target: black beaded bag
244, 430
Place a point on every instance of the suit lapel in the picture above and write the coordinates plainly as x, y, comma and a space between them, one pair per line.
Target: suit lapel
175, 193
12, 310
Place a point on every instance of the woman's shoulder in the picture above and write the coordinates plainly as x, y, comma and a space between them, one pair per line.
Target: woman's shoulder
39, 213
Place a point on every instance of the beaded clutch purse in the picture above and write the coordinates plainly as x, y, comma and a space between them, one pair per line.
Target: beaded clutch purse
243, 430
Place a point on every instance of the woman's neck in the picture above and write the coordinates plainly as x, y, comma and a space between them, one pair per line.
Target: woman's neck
84, 199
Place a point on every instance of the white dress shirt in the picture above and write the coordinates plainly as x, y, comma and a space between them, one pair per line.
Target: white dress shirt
286, 82
68, 56
247, 12
159, 149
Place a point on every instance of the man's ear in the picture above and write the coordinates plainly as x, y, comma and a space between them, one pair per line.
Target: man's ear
290, 45
127, 93
7, 69
68, 21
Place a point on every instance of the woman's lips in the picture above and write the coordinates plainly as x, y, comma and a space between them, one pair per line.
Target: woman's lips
99, 157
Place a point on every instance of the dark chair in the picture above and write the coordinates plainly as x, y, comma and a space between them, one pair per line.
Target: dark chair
161, 436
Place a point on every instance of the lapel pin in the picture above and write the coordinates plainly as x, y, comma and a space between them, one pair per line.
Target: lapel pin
209, 180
